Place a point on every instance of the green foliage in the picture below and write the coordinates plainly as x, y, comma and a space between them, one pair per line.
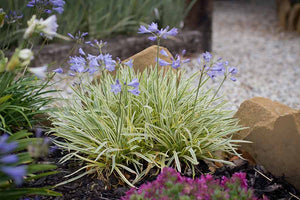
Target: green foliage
21, 100
101, 18
128, 134
8, 189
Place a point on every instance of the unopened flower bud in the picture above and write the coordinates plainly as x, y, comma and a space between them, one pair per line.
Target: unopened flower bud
25, 56
2, 17
3, 61
13, 62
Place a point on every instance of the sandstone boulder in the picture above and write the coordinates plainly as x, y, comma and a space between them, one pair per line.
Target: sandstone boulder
293, 17
283, 9
147, 58
274, 129
298, 25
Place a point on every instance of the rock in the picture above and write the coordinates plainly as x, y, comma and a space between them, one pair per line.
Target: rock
147, 58
294, 17
274, 129
283, 9
298, 25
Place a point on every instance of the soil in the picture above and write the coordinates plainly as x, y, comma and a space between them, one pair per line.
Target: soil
91, 188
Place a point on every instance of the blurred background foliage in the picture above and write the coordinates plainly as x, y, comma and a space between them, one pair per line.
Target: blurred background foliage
101, 18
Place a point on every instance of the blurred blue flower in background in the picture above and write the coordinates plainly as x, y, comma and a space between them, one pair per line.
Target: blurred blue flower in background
48, 5
8, 160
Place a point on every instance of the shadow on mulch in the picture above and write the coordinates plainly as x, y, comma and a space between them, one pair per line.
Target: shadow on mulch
91, 188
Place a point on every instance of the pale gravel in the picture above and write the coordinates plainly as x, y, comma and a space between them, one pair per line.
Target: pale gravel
246, 33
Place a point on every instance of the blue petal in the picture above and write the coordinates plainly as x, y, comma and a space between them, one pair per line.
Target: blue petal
163, 63
152, 38
164, 53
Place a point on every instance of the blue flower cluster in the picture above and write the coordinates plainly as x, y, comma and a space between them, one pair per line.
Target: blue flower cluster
78, 36
175, 62
48, 5
218, 68
157, 33
116, 88
13, 16
90, 63
8, 161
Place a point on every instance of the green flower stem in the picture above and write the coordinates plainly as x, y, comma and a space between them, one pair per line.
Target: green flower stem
119, 122
103, 85
46, 84
42, 46
177, 84
8, 42
211, 100
67, 57
157, 72
197, 93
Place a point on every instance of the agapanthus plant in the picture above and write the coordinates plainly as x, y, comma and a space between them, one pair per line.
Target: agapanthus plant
157, 35
125, 123
171, 185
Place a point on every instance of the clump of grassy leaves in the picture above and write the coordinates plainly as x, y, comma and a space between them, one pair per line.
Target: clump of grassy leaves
128, 134
22, 101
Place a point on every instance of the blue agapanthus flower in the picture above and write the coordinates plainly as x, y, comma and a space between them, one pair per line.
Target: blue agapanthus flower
134, 91
216, 68
79, 37
116, 88
176, 63
134, 83
16, 173
164, 53
96, 43
232, 71
207, 57
58, 70
13, 16
129, 63
78, 64
6, 147
109, 63
9, 159
90, 63
6, 159
48, 5
157, 33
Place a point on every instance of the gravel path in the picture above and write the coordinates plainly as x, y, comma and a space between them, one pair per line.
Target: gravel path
246, 33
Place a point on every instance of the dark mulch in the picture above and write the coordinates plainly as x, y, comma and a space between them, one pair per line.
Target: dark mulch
91, 188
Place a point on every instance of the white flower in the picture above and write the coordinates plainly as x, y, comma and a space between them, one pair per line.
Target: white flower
48, 26
26, 54
40, 72
31, 27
